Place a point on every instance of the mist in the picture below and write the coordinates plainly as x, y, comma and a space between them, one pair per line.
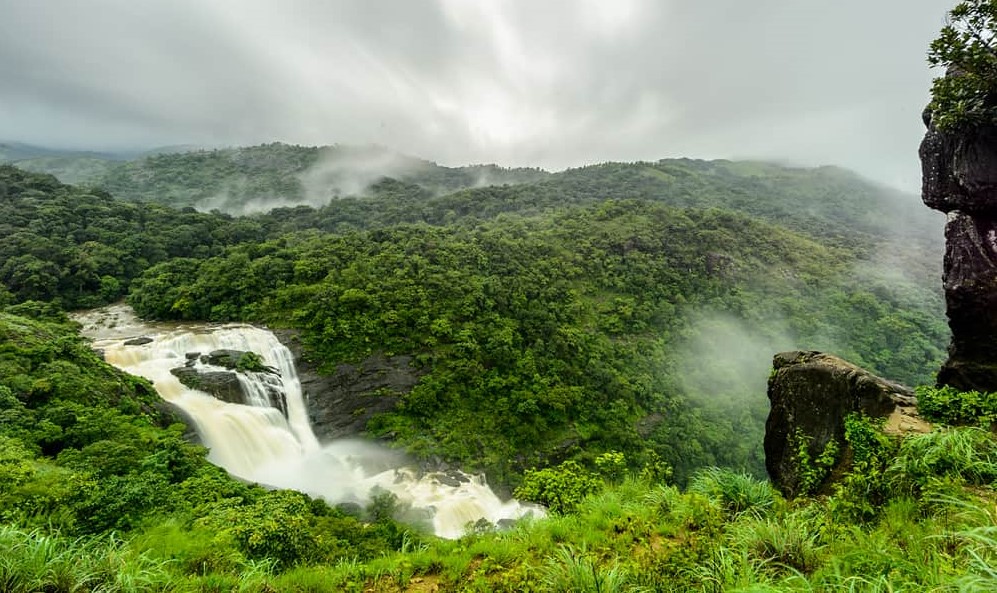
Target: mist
350, 172
725, 361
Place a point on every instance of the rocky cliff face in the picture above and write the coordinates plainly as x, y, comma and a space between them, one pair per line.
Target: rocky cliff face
959, 177
225, 384
341, 403
811, 394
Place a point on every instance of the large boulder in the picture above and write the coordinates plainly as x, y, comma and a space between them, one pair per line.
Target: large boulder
232, 386
341, 402
811, 394
223, 385
959, 177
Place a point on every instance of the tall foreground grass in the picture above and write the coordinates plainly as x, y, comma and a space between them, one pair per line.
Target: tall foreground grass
31, 561
936, 531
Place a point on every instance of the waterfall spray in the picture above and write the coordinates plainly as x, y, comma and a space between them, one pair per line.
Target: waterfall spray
256, 441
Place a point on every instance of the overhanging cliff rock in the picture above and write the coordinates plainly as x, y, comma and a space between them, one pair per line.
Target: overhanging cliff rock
811, 394
959, 177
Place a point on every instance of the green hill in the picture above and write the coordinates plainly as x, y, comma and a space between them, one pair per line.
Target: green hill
258, 178
99, 492
827, 202
610, 321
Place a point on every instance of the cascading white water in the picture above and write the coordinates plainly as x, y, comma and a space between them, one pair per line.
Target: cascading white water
258, 443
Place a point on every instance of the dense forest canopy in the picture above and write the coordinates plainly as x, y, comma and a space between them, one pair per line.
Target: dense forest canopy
609, 319
628, 307
568, 329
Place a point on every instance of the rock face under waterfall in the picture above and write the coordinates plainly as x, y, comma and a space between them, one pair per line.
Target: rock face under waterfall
222, 384
227, 385
811, 394
341, 403
959, 177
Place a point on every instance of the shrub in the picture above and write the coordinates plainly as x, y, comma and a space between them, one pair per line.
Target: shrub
736, 492
951, 406
571, 572
792, 541
863, 490
560, 488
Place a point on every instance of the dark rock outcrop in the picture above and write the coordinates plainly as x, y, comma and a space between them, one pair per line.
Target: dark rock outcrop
226, 385
223, 358
138, 341
959, 177
223, 385
341, 403
174, 414
811, 394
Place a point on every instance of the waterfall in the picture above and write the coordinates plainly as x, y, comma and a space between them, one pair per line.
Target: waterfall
256, 441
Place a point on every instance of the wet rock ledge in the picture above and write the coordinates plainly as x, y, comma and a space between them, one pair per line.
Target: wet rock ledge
341, 403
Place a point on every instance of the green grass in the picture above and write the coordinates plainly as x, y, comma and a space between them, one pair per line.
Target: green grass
725, 533
31, 561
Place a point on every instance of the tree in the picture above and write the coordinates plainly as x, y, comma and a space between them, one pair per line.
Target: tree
967, 48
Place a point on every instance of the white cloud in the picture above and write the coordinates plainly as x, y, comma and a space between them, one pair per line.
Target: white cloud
551, 83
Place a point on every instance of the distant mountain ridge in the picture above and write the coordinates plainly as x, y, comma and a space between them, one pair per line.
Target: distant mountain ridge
259, 178
364, 186
68, 165
11, 152
256, 178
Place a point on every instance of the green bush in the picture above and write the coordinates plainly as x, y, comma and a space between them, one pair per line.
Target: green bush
792, 541
864, 489
967, 50
951, 406
560, 488
735, 492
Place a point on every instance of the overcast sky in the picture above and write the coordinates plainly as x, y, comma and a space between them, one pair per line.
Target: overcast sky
517, 82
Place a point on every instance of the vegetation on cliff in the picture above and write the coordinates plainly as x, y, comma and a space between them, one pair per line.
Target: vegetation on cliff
100, 493
583, 336
966, 96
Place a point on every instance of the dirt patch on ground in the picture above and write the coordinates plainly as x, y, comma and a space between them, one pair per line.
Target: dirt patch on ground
905, 420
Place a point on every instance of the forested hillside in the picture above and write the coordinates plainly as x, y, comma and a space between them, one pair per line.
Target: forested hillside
827, 201
602, 322
552, 337
79, 248
257, 178
548, 324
